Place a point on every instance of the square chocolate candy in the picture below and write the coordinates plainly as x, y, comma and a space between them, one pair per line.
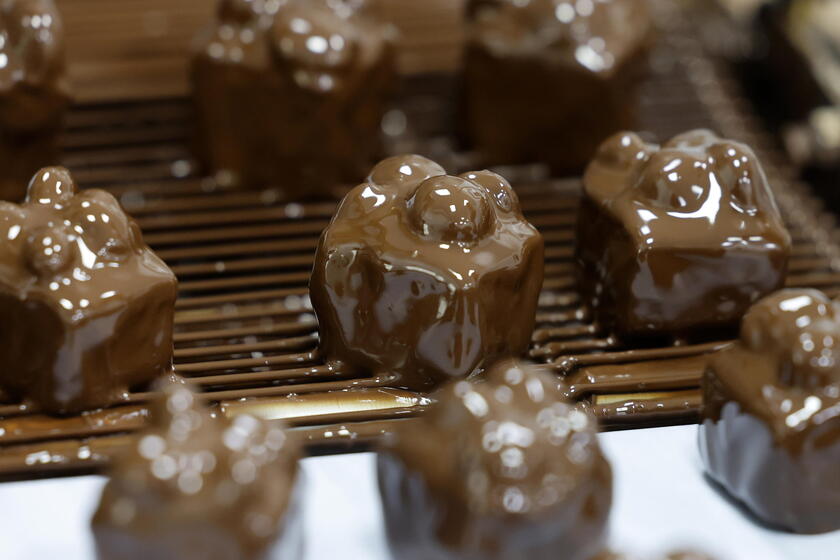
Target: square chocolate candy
678, 239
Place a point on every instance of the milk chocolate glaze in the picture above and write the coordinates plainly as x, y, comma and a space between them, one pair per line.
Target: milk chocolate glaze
770, 433
500, 469
203, 487
291, 94
680, 238
86, 308
33, 91
425, 275
547, 81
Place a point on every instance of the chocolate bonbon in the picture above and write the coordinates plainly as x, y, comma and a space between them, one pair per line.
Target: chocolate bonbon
770, 434
33, 91
498, 469
677, 239
199, 486
426, 276
86, 308
291, 96
547, 81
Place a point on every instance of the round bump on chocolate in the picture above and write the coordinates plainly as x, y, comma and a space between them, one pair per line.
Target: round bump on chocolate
451, 209
622, 151
51, 185
315, 38
803, 325
404, 172
737, 170
48, 251
105, 228
697, 138
498, 187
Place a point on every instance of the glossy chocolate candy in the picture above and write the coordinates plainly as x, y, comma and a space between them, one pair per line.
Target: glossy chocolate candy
86, 308
199, 486
500, 469
291, 96
548, 80
771, 422
426, 276
679, 239
33, 91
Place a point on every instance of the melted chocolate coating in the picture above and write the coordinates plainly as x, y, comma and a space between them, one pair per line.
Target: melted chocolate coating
771, 423
678, 239
547, 81
499, 469
86, 308
199, 486
292, 98
33, 91
425, 275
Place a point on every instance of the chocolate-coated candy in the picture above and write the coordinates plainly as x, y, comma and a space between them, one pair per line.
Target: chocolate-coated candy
291, 97
198, 486
499, 469
33, 91
678, 239
426, 276
86, 308
547, 81
771, 420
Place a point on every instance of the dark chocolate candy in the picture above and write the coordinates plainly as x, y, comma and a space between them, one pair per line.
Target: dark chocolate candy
199, 486
425, 275
547, 81
677, 239
291, 97
33, 91
500, 469
86, 308
771, 421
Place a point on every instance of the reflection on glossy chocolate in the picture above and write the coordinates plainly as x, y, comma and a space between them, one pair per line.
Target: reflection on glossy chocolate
771, 424
677, 239
425, 275
200, 486
86, 308
500, 469
548, 80
291, 95
33, 91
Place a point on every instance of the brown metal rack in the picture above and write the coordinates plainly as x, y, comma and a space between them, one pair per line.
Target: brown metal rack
245, 332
